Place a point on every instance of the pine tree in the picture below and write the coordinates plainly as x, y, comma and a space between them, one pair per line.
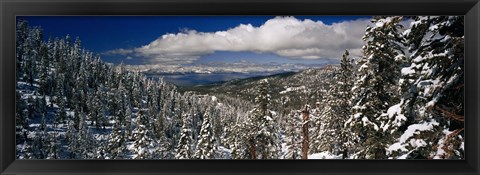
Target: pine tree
376, 86
53, 146
117, 142
39, 149
21, 117
184, 147
322, 118
293, 136
102, 153
206, 146
240, 148
102, 111
73, 145
81, 143
128, 121
21, 42
340, 103
323, 136
62, 115
318, 130
31, 54
44, 68
86, 143
143, 137
432, 82
54, 140
262, 133
163, 148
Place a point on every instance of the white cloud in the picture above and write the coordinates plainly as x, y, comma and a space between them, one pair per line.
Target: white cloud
284, 36
118, 52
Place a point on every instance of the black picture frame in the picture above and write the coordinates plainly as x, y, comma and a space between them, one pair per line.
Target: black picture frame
11, 8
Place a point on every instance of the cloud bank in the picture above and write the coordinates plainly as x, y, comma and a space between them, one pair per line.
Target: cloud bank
285, 36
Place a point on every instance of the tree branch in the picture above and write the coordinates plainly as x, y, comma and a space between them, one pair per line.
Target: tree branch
450, 115
459, 86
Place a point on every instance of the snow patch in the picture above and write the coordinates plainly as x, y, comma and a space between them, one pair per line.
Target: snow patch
395, 147
418, 59
395, 111
364, 66
440, 152
289, 89
407, 71
417, 143
324, 155
416, 129
403, 156
357, 115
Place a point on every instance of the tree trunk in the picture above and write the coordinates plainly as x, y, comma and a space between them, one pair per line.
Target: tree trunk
305, 141
380, 153
252, 150
344, 155
344, 146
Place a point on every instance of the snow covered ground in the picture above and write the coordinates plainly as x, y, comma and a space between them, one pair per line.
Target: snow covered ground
289, 89
324, 155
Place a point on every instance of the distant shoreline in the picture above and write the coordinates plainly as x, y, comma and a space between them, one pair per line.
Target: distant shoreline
192, 79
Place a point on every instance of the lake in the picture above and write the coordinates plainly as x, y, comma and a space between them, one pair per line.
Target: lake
198, 79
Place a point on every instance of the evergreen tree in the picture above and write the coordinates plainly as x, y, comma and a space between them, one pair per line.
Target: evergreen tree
184, 147
340, 102
432, 82
102, 111
102, 153
262, 133
44, 68
53, 145
21, 117
375, 88
73, 144
54, 140
240, 148
163, 148
21, 34
86, 143
117, 142
206, 146
128, 121
318, 130
62, 115
293, 136
322, 118
143, 137
39, 150
324, 132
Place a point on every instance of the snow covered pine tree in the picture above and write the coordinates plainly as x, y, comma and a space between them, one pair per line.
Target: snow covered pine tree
375, 88
260, 127
433, 86
206, 146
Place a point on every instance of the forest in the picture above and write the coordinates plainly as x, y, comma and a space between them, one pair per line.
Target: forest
402, 99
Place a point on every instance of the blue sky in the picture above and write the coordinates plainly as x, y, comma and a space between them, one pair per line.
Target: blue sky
204, 39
